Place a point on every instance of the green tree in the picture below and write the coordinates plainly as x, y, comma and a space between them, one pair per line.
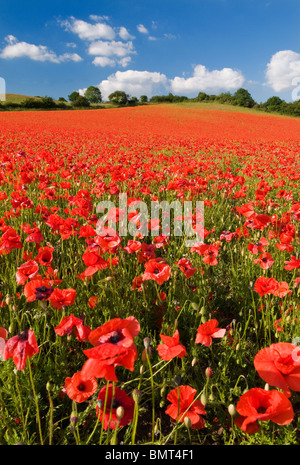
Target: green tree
93, 94
81, 101
47, 102
202, 96
143, 98
118, 97
273, 104
73, 96
62, 99
243, 98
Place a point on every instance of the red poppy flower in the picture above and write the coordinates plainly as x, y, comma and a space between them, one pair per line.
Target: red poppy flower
9, 240
186, 406
292, 264
114, 346
80, 389
38, 289
265, 260
71, 324
44, 256
186, 267
171, 347
259, 247
158, 270
115, 399
20, 347
207, 331
279, 365
260, 405
27, 270
265, 285
92, 302
62, 297
3, 336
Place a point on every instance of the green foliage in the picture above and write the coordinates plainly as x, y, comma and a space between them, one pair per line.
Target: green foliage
81, 101
118, 98
93, 94
143, 98
73, 96
243, 98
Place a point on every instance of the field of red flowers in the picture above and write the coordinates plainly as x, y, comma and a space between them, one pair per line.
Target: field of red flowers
110, 338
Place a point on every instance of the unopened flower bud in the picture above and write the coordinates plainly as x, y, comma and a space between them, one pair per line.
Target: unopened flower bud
147, 342
49, 386
145, 353
194, 361
267, 387
231, 410
187, 422
120, 412
136, 394
73, 417
203, 399
208, 372
8, 299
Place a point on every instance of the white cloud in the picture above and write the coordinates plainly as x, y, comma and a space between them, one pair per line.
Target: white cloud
99, 18
89, 31
16, 49
208, 81
142, 29
103, 61
124, 61
117, 48
282, 70
124, 34
135, 83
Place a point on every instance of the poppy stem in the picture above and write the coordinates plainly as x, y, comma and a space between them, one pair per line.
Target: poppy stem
153, 395
103, 413
36, 403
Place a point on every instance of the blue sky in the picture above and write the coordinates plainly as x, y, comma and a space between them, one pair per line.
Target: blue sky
151, 47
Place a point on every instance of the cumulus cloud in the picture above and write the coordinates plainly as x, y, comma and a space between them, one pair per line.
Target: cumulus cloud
16, 49
142, 29
117, 48
282, 70
124, 34
208, 81
103, 61
134, 83
88, 31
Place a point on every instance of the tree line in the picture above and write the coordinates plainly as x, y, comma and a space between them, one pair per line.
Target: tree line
92, 97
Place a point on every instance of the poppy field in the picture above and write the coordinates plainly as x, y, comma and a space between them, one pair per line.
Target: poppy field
110, 339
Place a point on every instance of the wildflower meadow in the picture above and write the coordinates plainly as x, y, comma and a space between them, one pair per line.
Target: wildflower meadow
114, 328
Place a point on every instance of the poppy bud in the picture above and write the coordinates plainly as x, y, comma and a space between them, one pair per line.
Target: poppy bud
231, 410
208, 372
49, 386
142, 369
194, 361
211, 397
120, 412
187, 422
267, 387
203, 399
195, 306
136, 394
144, 354
147, 342
108, 278
162, 403
8, 299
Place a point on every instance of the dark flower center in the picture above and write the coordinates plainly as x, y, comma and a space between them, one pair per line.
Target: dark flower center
116, 403
23, 336
43, 292
81, 387
261, 409
116, 337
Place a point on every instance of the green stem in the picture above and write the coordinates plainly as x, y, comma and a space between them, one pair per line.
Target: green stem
36, 403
